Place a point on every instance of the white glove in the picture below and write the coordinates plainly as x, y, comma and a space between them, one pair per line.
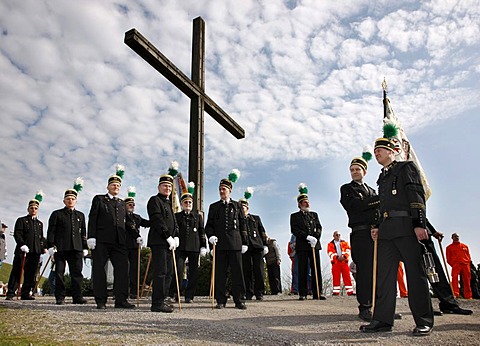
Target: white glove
25, 248
140, 241
51, 251
85, 253
213, 239
265, 250
177, 242
244, 248
312, 240
203, 252
91, 243
171, 242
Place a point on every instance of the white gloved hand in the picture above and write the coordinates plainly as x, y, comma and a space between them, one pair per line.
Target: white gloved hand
171, 242
91, 243
213, 239
177, 241
312, 240
203, 252
140, 241
265, 250
85, 253
25, 248
51, 251
244, 248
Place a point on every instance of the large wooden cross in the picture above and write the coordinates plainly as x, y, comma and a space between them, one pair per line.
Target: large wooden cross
194, 88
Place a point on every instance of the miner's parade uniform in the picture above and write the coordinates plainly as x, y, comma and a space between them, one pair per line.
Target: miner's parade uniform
361, 204
28, 234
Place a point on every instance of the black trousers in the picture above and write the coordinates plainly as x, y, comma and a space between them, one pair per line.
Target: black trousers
390, 252
303, 258
253, 272
162, 273
119, 258
229, 259
29, 273
181, 257
362, 254
132, 270
75, 266
274, 278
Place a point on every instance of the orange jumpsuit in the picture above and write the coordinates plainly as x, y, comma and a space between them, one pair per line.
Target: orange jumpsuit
458, 257
340, 267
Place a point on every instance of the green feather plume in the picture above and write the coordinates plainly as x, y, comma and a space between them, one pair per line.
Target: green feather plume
302, 188
39, 196
390, 130
173, 170
120, 170
131, 191
191, 187
78, 184
367, 153
234, 175
248, 192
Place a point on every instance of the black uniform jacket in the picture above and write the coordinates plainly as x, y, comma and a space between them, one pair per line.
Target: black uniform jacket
303, 224
162, 220
191, 231
257, 237
402, 200
360, 204
106, 220
29, 232
66, 230
227, 223
132, 225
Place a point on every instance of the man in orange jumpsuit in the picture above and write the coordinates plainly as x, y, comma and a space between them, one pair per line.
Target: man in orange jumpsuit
458, 257
339, 252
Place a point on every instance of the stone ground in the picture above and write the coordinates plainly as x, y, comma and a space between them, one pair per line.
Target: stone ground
278, 320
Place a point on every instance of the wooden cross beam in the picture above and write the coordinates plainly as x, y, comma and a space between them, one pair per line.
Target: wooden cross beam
194, 88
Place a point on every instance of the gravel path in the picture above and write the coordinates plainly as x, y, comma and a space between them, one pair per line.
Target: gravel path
278, 320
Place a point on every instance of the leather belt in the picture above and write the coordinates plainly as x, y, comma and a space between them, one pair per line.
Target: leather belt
395, 213
361, 228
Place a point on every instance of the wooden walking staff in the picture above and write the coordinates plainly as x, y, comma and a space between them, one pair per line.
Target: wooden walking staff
445, 265
21, 276
146, 274
374, 283
176, 279
41, 274
138, 274
316, 271
212, 281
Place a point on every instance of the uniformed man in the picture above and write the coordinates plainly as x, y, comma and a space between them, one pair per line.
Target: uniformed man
273, 258
107, 240
67, 243
162, 239
192, 245
134, 239
226, 229
339, 252
361, 203
401, 227
252, 259
28, 234
305, 226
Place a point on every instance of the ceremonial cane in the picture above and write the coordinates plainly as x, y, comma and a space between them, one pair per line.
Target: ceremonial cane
212, 282
41, 274
316, 272
149, 288
445, 265
146, 273
21, 275
374, 283
138, 274
176, 279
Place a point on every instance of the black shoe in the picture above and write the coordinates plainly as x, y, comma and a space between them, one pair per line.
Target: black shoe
9, 297
162, 308
133, 296
101, 306
248, 297
437, 313
241, 306
259, 297
219, 306
27, 298
457, 311
422, 330
376, 326
124, 305
365, 315
80, 301
323, 298
302, 298
188, 300
60, 301
397, 316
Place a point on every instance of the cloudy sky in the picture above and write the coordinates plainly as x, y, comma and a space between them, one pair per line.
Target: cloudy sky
303, 78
